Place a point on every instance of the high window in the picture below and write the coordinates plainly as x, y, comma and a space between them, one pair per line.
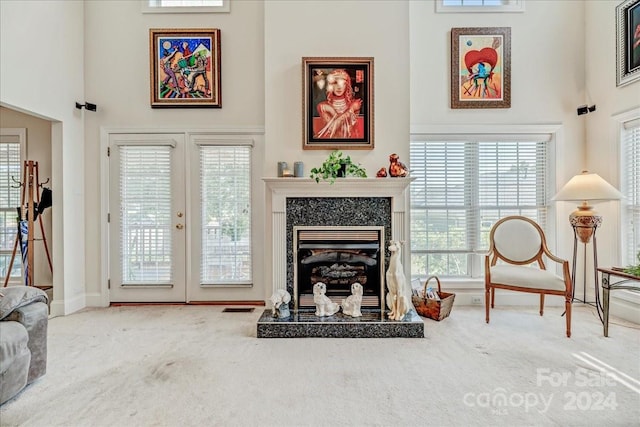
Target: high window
185, 6
464, 184
463, 6
630, 186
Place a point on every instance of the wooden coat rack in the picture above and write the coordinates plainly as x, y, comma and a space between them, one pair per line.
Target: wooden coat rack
30, 200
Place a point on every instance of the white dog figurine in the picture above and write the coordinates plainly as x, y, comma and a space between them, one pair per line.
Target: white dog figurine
351, 305
397, 300
324, 306
280, 300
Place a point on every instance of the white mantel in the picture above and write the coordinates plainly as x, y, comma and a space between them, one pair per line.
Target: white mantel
279, 189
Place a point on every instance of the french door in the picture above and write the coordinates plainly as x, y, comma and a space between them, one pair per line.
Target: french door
147, 220
180, 218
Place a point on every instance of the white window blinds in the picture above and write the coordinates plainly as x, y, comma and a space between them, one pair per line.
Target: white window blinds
10, 167
464, 6
225, 192
185, 6
145, 214
184, 3
630, 183
462, 187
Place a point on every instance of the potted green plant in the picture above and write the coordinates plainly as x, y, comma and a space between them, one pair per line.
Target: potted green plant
634, 269
337, 165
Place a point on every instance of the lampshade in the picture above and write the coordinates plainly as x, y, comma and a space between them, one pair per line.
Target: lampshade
586, 187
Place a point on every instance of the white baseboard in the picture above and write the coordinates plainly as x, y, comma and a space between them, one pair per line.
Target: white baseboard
624, 310
56, 308
620, 308
65, 307
96, 300
507, 298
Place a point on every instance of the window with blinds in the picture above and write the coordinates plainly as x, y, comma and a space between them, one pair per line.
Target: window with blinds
479, 6
630, 186
225, 193
462, 187
10, 167
185, 6
145, 214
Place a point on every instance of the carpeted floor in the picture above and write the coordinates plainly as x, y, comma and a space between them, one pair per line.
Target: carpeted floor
197, 366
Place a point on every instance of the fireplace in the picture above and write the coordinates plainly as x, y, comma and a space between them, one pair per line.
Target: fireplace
338, 257
337, 233
349, 203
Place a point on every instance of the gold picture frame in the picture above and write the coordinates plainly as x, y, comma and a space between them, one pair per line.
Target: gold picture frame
185, 68
481, 67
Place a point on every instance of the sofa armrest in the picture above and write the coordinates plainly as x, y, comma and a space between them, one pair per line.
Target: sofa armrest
34, 317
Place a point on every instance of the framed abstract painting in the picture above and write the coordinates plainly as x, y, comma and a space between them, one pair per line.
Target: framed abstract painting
481, 67
628, 42
337, 103
185, 68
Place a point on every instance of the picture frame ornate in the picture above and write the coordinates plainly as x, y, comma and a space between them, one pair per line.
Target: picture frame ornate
627, 42
337, 103
185, 68
481, 67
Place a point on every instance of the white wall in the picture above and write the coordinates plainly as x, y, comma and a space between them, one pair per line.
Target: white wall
602, 154
547, 78
42, 73
349, 28
117, 80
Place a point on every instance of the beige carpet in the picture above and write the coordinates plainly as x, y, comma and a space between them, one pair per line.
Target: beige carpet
197, 366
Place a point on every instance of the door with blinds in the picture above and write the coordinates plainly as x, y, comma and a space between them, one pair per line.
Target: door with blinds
180, 218
147, 218
220, 237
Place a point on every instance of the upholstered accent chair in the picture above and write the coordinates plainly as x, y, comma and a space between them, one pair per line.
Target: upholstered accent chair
516, 243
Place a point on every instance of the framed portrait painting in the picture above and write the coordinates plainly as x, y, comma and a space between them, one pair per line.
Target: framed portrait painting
628, 42
185, 68
337, 105
481, 67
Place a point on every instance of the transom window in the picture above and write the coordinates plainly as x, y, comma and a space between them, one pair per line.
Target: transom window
185, 6
463, 6
463, 185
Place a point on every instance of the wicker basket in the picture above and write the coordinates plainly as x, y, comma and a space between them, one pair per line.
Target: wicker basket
431, 308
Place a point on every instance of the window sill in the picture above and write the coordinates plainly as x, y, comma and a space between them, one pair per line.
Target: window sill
458, 283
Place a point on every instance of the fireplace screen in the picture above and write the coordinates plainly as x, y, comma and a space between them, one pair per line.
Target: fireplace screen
339, 257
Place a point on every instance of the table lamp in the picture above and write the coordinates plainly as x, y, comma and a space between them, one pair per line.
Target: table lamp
586, 187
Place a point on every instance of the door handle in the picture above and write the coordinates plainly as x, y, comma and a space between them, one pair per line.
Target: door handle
179, 226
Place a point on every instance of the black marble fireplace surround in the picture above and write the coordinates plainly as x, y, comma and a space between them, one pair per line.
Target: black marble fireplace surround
336, 212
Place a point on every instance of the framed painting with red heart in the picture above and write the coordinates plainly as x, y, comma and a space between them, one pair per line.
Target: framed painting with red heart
481, 67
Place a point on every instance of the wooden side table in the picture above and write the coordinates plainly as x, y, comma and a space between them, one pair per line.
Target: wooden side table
623, 280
